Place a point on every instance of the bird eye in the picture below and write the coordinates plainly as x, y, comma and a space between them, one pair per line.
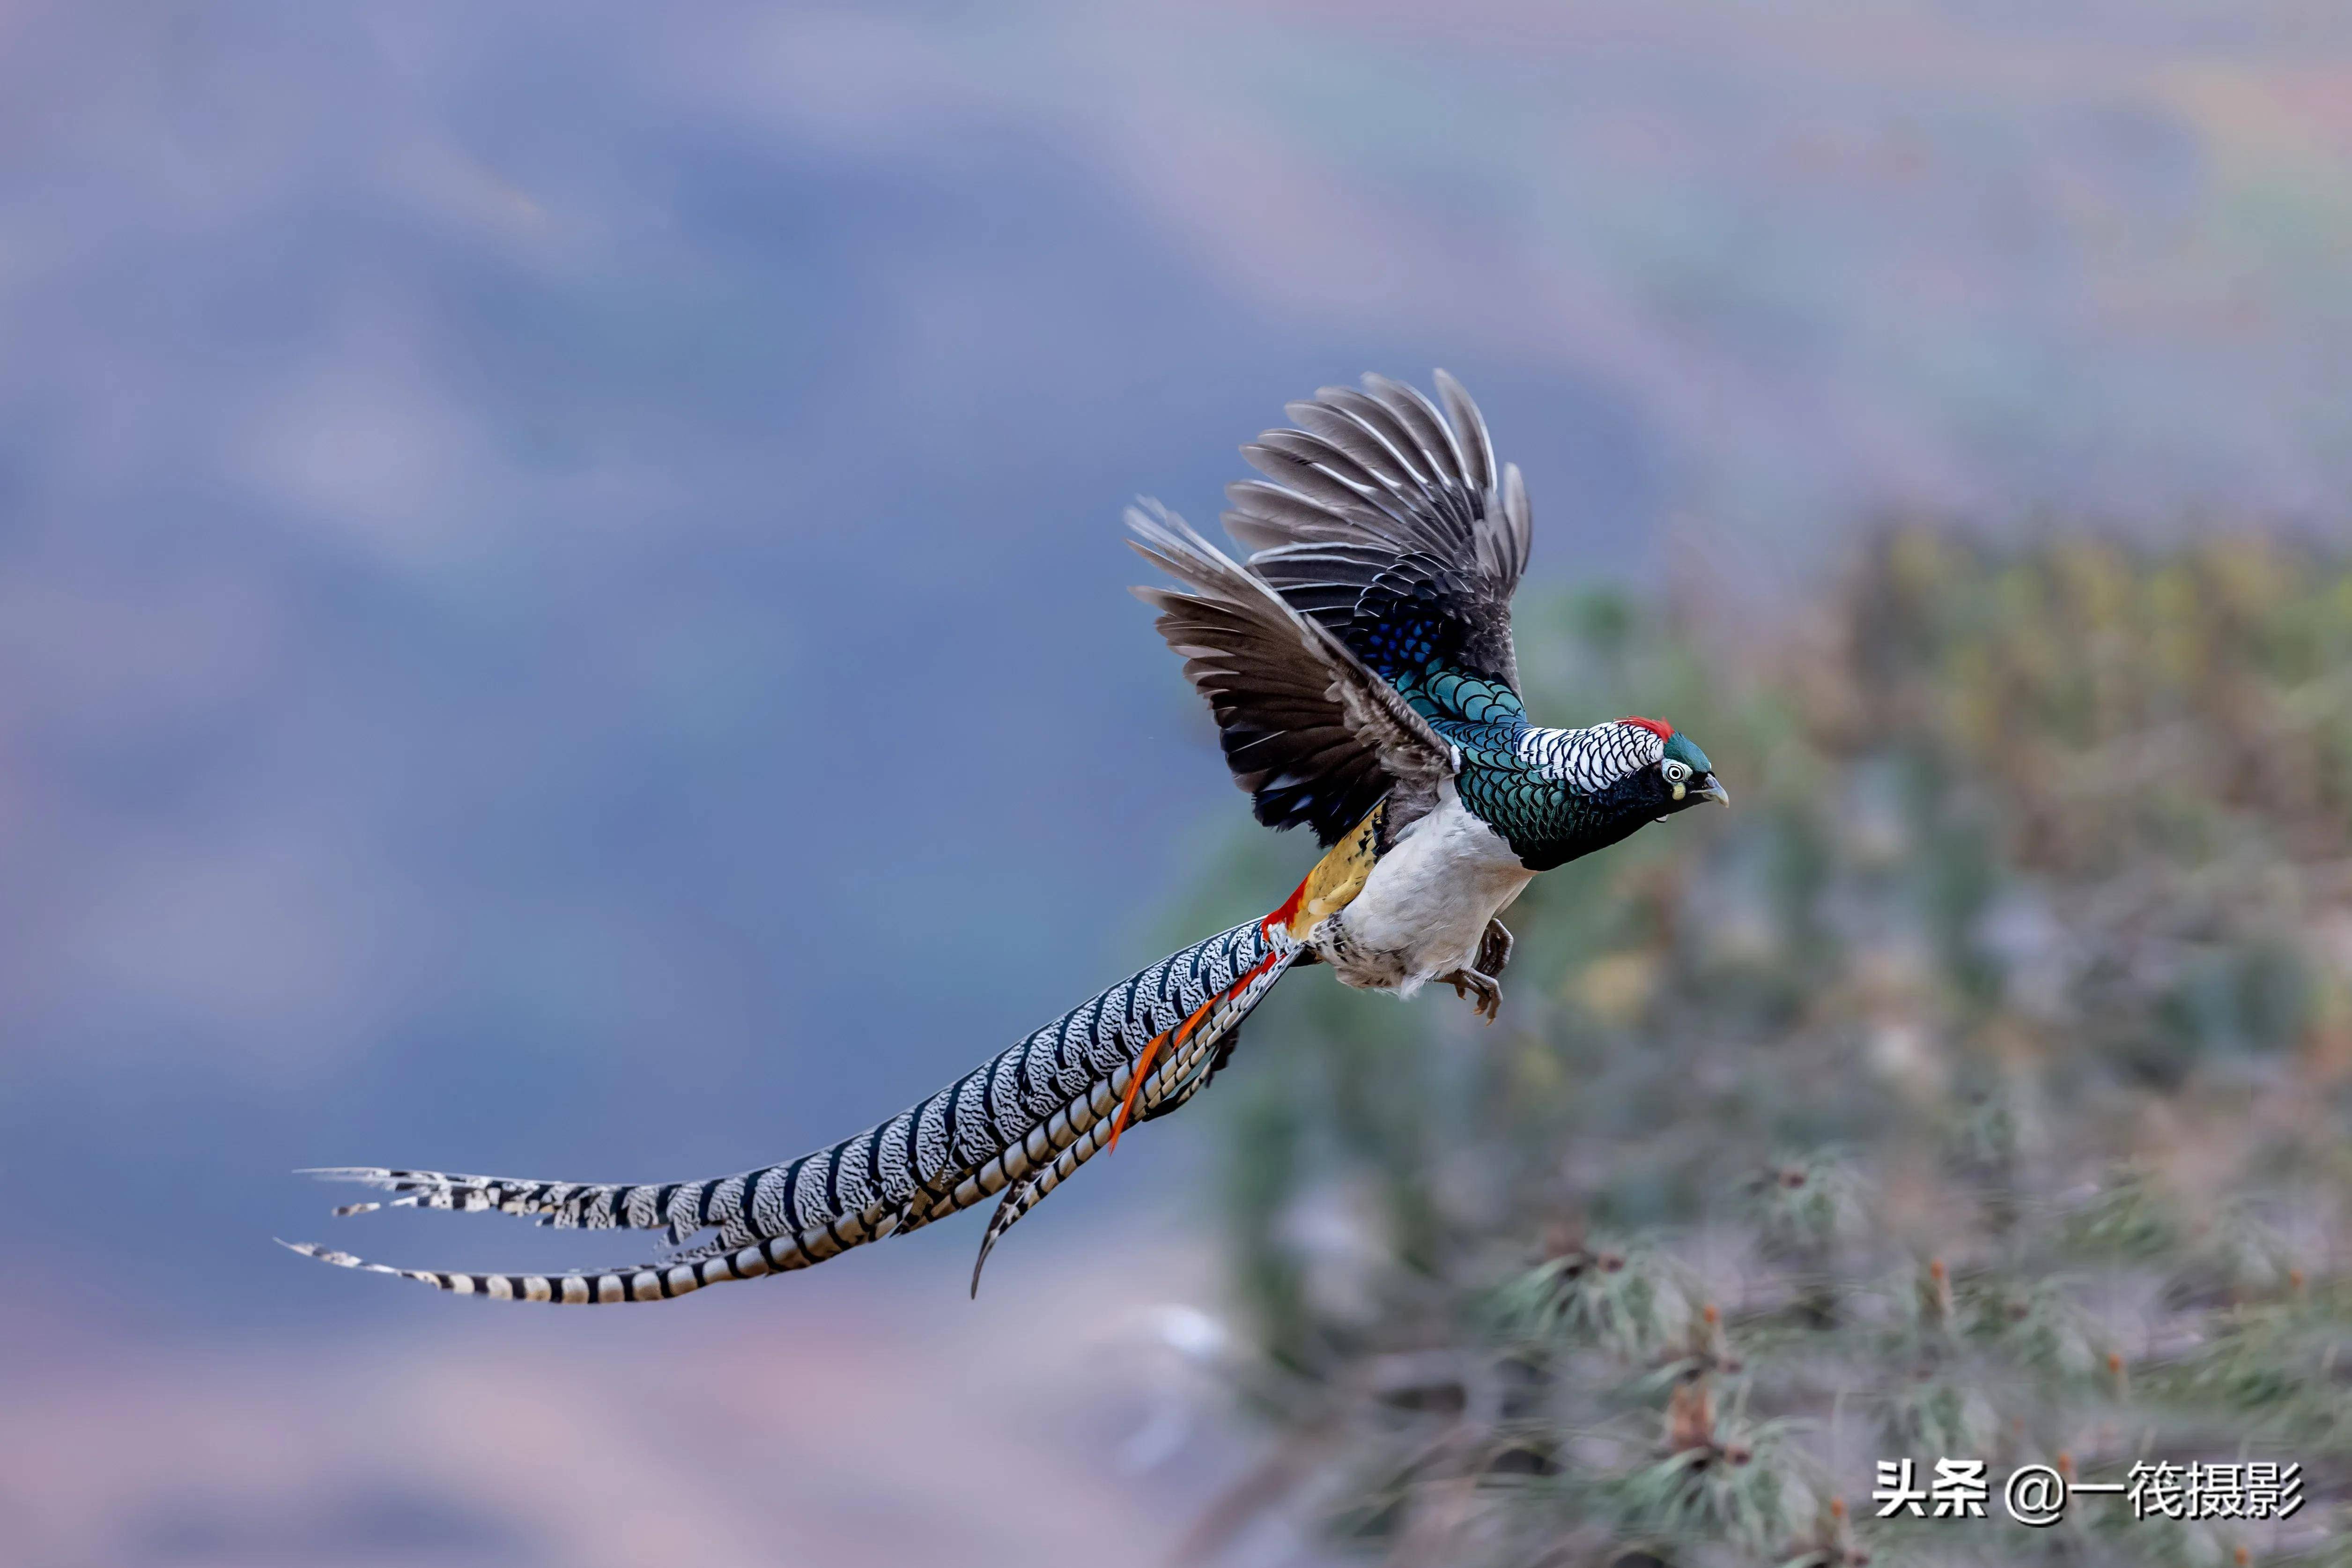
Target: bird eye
1675, 771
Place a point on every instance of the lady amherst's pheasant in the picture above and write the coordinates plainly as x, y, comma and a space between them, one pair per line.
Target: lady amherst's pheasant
1360, 669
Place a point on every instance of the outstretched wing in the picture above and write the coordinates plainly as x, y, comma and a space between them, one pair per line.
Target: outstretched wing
1390, 525
1312, 734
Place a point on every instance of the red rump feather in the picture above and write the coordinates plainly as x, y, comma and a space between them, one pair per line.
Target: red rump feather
1658, 726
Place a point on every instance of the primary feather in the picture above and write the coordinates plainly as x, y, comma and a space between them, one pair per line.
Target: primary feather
1389, 524
1312, 734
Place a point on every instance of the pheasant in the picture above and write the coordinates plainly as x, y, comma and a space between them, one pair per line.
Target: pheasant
1360, 666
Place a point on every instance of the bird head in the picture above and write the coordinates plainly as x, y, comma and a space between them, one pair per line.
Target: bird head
1676, 777
1683, 777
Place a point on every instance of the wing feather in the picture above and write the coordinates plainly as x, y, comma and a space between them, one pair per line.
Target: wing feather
1388, 524
1429, 496
1470, 429
1267, 517
1430, 434
1312, 734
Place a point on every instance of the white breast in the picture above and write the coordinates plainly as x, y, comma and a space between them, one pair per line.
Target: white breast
1426, 904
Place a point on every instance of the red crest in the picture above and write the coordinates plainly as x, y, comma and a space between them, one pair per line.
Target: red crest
1658, 726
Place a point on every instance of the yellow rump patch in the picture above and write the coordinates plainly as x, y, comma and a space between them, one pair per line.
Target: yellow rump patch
1336, 879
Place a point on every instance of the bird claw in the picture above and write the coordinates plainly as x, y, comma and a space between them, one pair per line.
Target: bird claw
1485, 993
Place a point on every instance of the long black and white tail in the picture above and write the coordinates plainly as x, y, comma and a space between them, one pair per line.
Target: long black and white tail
1018, 1124
1022, 1120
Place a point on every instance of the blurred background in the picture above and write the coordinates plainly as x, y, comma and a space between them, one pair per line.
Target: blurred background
561, 613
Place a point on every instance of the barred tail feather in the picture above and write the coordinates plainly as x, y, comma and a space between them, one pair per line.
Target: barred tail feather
1196, 1061
1024, 1173
1018, 1125
587, 1206
995, 1127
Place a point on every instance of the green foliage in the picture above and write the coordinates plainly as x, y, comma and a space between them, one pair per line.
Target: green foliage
1975, 1089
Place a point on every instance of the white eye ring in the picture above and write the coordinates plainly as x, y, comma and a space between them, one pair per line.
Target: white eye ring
1675, 771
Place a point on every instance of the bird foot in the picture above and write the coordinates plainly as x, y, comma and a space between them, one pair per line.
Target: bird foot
1484, 992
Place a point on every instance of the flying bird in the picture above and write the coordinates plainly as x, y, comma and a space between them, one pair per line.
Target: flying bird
1360, 666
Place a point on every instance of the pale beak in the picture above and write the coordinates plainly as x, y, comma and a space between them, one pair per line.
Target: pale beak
1710, 789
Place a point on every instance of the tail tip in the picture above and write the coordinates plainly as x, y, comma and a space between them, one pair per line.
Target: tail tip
323, 1254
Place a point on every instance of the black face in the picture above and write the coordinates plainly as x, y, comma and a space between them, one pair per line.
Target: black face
1677, 784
